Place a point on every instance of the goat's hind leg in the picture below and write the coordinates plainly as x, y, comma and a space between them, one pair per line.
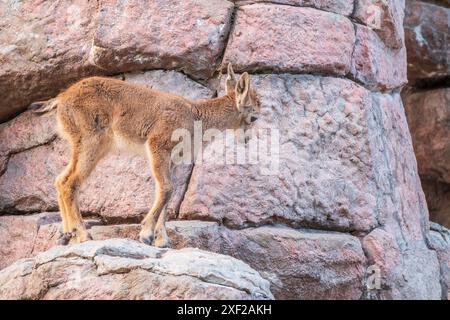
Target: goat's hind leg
85, 155
66, 234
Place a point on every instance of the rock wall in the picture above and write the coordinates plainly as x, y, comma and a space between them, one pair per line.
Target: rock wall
427, 100
344, 218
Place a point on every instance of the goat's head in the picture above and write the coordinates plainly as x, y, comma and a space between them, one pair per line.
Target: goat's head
246, 99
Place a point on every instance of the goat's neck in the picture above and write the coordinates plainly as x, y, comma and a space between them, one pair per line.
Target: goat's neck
219, 113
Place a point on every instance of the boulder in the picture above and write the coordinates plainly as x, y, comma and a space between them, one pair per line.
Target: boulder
293, 40
138, 35
426, 37
125, 269
428, 114
121, 186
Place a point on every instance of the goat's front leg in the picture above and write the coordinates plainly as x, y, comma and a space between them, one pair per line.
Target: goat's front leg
160, 165
161, 238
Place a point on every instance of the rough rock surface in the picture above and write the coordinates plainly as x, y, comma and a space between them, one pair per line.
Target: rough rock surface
24, 236
440, 241
18, 236
376, 65
130, 36
344, 7
428, 115
120, 188
44, 46
385, 17
291, 41
329, 159
408, 267
124, 269
379, 187
426, 35
307, 264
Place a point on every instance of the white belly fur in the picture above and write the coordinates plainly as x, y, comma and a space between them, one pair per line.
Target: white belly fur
123, 144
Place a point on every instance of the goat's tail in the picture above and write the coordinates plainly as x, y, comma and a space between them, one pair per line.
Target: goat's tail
43, 106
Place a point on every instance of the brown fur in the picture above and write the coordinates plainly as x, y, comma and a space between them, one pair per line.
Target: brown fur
98, 114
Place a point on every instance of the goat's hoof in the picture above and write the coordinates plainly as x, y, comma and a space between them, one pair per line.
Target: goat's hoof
162, 242
79, 236
64, 239
146, 237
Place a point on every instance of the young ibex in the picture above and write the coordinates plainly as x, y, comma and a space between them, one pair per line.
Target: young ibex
98, 114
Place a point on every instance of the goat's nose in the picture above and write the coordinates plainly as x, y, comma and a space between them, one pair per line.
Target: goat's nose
253, 119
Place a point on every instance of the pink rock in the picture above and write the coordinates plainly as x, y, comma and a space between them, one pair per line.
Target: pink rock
44, 47
307, 264
426, 36
169, 81
344, 7
376, 65
326, 176
440, 242
26, 132
397, 163
136, 35
407, 268
428, 117
120, 188
385, 17
18, 235
406, 271
290, 39
104, 232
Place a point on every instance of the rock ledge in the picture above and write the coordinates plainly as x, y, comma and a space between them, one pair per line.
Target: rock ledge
125, 269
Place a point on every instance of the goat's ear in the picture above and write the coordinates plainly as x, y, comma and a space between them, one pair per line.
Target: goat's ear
242, 89
231, 80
